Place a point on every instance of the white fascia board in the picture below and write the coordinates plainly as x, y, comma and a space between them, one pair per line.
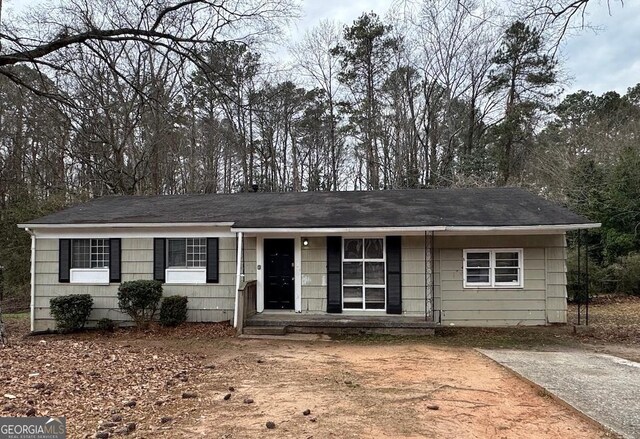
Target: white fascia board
165, 231
327, 230
533, 229
556, 228
122, 225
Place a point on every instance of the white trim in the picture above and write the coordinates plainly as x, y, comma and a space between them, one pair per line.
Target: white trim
124, 225
492, 257
259, 274
238, 279
32, 305
185, 276
170, 232
329, 230
93, 276
297, 273
416, 229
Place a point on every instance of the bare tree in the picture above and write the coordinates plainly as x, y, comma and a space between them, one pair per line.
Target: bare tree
314, 59
42, 37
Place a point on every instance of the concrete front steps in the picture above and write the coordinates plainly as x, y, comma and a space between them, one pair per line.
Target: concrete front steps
287, 323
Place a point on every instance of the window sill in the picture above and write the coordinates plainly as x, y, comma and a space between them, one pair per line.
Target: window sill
89, 276
186, 276
493, 287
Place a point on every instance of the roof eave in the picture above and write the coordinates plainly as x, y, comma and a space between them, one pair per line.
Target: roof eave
123, 225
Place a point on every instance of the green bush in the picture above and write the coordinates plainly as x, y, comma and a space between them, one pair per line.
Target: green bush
628, 274
106, 325
140, 299
173, 310
71, 312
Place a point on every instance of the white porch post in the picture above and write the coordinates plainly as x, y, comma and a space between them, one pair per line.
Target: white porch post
297, 274
238, 278
33, 280
259, 274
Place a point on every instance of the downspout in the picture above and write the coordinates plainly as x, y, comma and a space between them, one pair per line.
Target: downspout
238, 278
32, 307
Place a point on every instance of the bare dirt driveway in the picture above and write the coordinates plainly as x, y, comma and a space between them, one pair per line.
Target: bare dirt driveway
173, 384
374, 391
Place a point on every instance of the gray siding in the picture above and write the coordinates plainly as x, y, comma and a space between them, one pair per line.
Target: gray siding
207, 303
413, 277
314, 276
541, 301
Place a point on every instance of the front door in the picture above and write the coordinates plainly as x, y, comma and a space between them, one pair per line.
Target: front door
278, 274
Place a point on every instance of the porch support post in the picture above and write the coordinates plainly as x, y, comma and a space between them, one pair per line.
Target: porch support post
428, 276
32, 306
297, 274
238, 279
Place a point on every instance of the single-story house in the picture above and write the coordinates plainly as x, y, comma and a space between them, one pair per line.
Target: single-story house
468, 257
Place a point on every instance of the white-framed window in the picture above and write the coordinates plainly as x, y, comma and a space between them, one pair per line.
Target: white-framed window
364, 274
89, 261
186, 261
187, 253
493, 268
89, 253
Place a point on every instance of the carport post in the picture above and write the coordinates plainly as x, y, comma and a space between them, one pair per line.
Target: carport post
586, 275
579, 289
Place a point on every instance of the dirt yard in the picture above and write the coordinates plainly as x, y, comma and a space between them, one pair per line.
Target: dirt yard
173, 383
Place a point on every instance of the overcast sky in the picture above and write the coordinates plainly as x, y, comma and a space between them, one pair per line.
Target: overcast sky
598, 61
608, 59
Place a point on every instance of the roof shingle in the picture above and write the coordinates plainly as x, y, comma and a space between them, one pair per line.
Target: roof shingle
391, 208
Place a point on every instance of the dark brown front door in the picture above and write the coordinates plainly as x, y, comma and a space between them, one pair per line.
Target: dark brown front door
279, 273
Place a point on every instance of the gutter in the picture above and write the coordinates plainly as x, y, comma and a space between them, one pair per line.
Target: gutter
32, 306
122, 225
417, 229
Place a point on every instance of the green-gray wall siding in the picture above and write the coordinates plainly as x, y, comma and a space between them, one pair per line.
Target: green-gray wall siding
207, 303
541, 301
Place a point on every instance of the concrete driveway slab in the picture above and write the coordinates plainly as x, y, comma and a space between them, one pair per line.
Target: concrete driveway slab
603, 387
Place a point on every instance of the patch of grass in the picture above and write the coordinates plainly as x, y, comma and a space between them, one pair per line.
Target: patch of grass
16, 316
515, 337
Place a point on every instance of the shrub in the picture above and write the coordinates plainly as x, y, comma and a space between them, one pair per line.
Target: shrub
629, 274
106, 325
173, 310
71, 312
140, 299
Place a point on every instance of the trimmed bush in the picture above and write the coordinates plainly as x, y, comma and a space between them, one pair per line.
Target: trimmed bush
139, 299
173, 310
106, 325
71, 312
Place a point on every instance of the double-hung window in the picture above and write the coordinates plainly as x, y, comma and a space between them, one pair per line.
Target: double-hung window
187, 253
90, 253
89, 261
186, 260
494, 268
363, 274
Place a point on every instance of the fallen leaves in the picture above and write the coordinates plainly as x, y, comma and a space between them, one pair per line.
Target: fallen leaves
103, 386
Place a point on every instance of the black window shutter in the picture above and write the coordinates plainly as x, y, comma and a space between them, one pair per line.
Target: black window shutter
334, 274
394, 275
64, 260
115, 260
159, 255
212, 261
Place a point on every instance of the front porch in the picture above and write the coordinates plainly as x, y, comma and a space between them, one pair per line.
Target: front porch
281, 323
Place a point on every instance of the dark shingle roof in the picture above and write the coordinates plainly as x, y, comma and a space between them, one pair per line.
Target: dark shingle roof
393, 208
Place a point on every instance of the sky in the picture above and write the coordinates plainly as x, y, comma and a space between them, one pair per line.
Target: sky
599, 61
